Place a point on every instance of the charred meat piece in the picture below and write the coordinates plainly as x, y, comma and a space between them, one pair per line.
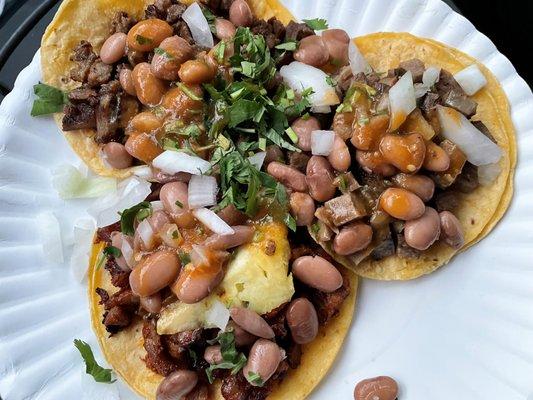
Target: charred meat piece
298, 161
84, 56
403, 250
188, 338
119, 277
276, 320
468, 180
157, 358
152, 12
457, 161
345, 208
108, 112
446, 201
182, 30
344, 78
294, 355
452, 95
80, 113
295, 31
416, 67
272, 30
104, 234
99, 73
121, 22
328, 305
119, 308
385, 248
116, 319
174, 12
430, 102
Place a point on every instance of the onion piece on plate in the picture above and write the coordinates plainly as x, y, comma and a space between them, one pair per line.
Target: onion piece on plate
197, 23
172, 162
322, 142
84, 229
258, 159
71, 183
471, 79
300, 76
478, 148
217, 315
203, 191
130, 192
50, 233
402, 100
431, 76
488, 173
358, 62
212, 221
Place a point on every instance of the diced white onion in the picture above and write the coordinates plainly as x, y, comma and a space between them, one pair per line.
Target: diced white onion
217, 316
358, 62
212, 221
478, 148
170, 235
83, 232
146, 233
431, 76
157, 205
321, 109
127, 252
197, 23
420, 90
130, 192
300, 76
322, 142
143, 172
172, 162
488, 173
471, 79
402, 100
203, 191
258, 159
71, 183
50, 233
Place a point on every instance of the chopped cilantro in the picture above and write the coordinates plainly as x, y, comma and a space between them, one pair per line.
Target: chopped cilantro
262, 144
315, 228
137, 212
231, 358
330, 81
317, 24
50, 100
100, 374
112, 251
292, 135
211, 18
179, 204
363, 120
176, 234
254, 379
290, 222
220, 51
142, 40
289, 46
188, 91
164, 53
184, 258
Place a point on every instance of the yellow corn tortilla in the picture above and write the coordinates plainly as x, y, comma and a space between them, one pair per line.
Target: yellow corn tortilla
125, 351
78, 20
478, 211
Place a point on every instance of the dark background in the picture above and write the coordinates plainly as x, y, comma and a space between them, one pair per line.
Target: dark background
509, 24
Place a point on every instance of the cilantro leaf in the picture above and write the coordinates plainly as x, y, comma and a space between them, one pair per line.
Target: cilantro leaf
184, 258
50, 100
290, 222
317, 24
243, 110
137, 212
289, 46
112, 251
254, 379
163, 52
142, 40
231, 358
100, 374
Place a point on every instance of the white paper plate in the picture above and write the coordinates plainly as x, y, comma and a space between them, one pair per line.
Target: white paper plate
464, 332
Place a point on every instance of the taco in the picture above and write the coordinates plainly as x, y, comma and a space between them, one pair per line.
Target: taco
477, 188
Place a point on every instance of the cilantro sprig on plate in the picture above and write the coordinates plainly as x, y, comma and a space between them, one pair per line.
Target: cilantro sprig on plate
100, 374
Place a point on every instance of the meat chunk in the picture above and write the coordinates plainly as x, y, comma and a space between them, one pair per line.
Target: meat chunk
119, 308
276, 319
297, 31
345, 208
119, 277
468, 181
328, 305
452, 95
188, 338
416, 67
108, 112
294, 355
344, 78
236, 387
403, 250
104, 234
99, 73
157, 358
182, 30
116, 319
174, 12
121, 22
84, 56
385, 248
272, 30
79, 116
299, 161
446, 201
373, 186
457, 161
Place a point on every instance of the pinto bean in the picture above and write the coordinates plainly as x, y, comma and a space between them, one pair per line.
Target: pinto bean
225, 30
337, 42
373, 162
196, 72
158, 220
146, 35
251, 322
232, 216
367, 136
401, 204
181, 105
117, 239
340, 158
213, 355
155, 272
114, 48
405, 152
175, 199
176, 385
125, 78
117, 156
352, 238
273, 153
302, 208
422, 232
421, 185
302, 320
263, 360
379, 388
145, 122
143, 146
451, 230
312, 51
174, 51
242, 337
303, 128
148, 87
289, 176
320, 179
317, 272
153, 303
243, 234
436, 159
240, 13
